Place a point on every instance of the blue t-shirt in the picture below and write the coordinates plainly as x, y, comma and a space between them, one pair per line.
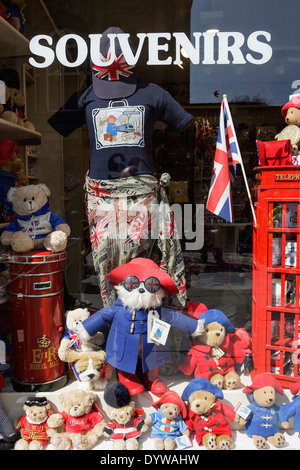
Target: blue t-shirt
120, 130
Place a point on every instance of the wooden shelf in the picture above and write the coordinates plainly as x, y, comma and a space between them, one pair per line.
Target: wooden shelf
22, 135
12, 42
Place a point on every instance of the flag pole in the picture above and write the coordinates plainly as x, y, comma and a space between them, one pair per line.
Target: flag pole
243, 171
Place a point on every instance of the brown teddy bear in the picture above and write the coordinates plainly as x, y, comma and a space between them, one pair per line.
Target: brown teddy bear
263, 422
126, 422
291, 115
35, 226
207, 415
168, 422
33, 425
82, 421
216, 353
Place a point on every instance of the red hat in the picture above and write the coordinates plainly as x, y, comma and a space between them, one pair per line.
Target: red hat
295, 387
264, 379
7, 149
142, 268
293, 103
172, 397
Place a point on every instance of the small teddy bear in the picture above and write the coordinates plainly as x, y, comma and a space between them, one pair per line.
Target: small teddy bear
262, 424
207, 415
126, 422
82, 421
35, 226
33, 425
70, 340
291, 115
168, 422
214, 354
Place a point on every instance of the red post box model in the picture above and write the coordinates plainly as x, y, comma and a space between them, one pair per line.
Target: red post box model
36, 293
276, 273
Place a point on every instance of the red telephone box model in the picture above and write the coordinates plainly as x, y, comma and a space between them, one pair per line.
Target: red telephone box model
36, 294
276, 273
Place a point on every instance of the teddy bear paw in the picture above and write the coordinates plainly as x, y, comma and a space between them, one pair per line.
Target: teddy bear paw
278, 440
260, 442
224, 443
21, 242
56, 241
210, 441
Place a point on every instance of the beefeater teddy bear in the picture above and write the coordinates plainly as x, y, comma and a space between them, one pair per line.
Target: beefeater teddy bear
137, 343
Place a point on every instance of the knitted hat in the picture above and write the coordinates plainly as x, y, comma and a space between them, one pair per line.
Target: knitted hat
265, 379
213, 315
116, 395
172, 397
293, 103
117, 80
142, 268
201, 383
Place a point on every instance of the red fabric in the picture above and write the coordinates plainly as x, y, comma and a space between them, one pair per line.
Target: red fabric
214, 421
194, 309
81, 423
274, 152
200, 361
129, 430
142, 268
33, 432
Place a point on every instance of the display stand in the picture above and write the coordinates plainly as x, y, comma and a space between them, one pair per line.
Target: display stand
36, 293
276, 273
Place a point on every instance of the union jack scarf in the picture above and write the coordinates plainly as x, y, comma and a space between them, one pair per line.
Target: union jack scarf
131, 217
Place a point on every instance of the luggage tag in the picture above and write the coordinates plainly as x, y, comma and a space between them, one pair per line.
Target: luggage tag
159, 332
152, 314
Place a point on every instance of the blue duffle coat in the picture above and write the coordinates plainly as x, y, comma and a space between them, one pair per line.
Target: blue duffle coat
124, 334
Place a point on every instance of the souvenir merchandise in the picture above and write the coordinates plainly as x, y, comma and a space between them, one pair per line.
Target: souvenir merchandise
35, 226
89, 369
262, 424
291, 115
70, 340
218, 352
120, 111
168, 421
126, 423
139, 312
79, 425
34, 425
291, 409
207, 415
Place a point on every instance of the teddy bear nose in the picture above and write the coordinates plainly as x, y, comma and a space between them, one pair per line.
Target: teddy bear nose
141, 290
217, 334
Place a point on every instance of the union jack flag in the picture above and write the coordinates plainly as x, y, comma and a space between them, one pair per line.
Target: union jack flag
118, 68
227, 156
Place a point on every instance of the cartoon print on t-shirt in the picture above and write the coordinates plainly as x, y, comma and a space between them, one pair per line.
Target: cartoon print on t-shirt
117, 125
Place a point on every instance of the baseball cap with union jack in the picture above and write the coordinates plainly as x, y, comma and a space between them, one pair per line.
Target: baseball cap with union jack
117, 80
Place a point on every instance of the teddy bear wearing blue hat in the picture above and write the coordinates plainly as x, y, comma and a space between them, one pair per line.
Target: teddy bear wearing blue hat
207, 415
218, 352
